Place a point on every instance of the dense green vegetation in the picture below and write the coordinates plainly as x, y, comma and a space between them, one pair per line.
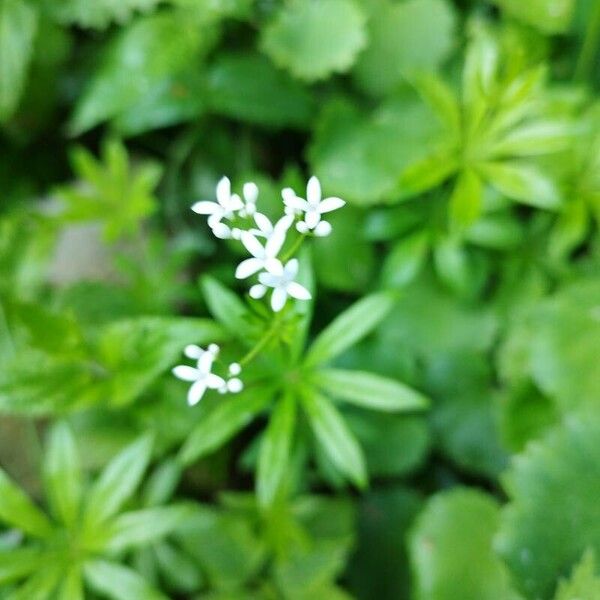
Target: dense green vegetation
396, 394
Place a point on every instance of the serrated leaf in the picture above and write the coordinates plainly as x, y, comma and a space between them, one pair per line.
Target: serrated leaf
369, 390
553, 515
222, 422
62, 474
335, 438
314, 39
275, 449
349, 327
452, 535
118, 582
18, 25
17, 509
117, 482
249, 88
416, 35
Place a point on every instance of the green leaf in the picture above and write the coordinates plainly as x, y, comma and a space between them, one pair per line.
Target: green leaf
227, 308
405, 260
72, 586
349, 327
142, 527
314, 39
18, 510
273, 460
416, 35
565, 345
41, 586
553, 478
550, 16
62, 474
223, 422
427, 173
119, 583
18, 25
536, 138
158, 46
441, 99
466, 200
99, 14
451, 549
178, 568
369, 390
584, 583
335, 438
522, 183
249, 88
117, 482
17, 563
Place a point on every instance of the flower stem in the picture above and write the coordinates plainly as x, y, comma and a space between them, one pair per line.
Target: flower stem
262, 342
295, 246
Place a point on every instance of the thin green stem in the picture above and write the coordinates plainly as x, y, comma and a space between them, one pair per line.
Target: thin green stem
295, 247
589, 48
5, 333
262, 342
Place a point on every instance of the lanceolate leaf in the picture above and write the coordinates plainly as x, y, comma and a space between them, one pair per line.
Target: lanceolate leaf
335, 438
275, 449
349, 327
369, 390
18, 562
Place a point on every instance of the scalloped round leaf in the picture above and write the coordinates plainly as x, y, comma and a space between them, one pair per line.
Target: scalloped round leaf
451, 549
566, 345
404, 37
315, 38
554, 513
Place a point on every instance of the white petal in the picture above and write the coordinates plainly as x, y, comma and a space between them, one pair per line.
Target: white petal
269, 279
205, 362
330, 204
235, 368
291, 269
206, 207
263, 223
252, 245
235, 385
296, 203
278, 299
223, 191
250, 192
196, 392
248, 267
302, 227
274, 267
257, 291
193, 351
275, 242
312, 218
234, 203
221, 231
186, 373
288, 194
322, 229
295, 290
214, 382
313, 191
213, 349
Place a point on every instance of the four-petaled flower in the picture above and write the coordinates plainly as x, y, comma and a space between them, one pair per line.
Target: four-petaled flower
281, 279
224, 208
201, 375
313, 207
263, 257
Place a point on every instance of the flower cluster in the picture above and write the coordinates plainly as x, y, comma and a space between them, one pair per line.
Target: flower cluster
237, 217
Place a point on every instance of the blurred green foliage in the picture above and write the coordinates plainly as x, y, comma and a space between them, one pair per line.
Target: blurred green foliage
427, 427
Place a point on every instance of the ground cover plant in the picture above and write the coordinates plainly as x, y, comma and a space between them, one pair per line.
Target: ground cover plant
299, 299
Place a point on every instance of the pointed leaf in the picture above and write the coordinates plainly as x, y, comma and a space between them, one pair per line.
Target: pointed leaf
62, 474
72, 586
466, 199
275, 449
335, 437
222, 423
406, 259
369, 390
17, 563
349, 327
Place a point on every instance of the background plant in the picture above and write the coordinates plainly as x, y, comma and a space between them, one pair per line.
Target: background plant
425, 426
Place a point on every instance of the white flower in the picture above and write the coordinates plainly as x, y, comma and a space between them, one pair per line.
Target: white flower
282, 281
313, 207
201, 375
224, 208
250, 194
263, 257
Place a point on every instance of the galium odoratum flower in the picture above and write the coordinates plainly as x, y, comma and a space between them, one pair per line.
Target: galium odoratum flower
202, 377
263, 257
312, 208
281, 280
